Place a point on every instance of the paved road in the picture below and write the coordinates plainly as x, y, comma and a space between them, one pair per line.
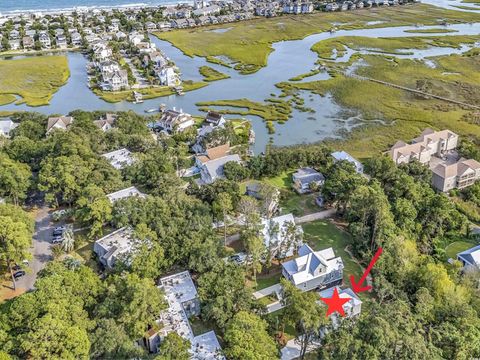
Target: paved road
41, 250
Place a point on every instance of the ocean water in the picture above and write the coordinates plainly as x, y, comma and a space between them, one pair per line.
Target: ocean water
8, 6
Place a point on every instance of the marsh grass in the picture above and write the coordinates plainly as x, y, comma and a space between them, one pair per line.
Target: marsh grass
33, 79
249, 42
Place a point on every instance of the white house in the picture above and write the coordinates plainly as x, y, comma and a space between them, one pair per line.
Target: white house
44, 40
119, 158
111, 246
314, 269
277, 238
125, 193
168, 76
352, 308
6, 126
470, 258
344, 156
175, 121
183, 302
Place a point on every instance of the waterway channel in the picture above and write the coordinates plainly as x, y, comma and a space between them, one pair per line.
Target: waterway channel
289, 59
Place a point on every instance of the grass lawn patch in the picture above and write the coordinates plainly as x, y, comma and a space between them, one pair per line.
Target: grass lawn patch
264, 281
454, 248
282, 181
210, 74
33, 79
298, 205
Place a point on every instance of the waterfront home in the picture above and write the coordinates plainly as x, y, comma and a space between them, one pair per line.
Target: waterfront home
167, 76
101, 52
125, 193
14, 34
119, 158
212, 154
112, 246
214, 118
150, 26
314, 269
306, 178
28, 42
173, 121
116, 81
61, 41
76, 39
459, 175
183, 303
6, 127
470, 258
429, 143
298, 7
14, 44
44, 40
333, 6
344, 156
60, 123
281, 236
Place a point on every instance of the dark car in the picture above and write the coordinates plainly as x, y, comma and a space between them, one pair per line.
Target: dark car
19, 274
57, 232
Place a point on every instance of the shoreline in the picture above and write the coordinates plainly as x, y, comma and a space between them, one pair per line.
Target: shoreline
69, 10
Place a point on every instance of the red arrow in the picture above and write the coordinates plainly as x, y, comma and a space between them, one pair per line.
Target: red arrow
357, 287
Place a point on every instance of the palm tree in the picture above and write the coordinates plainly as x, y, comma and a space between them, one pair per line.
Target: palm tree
68, 240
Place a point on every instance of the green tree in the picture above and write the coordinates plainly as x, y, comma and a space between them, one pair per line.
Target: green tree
15, 179
223, 293
15, 242
246, 338
68, 243
221, 207
304, 313
134, 302
174, 347
94, 209
52, 338
109, 341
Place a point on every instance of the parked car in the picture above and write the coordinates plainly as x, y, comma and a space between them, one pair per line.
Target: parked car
239, 258
58, 232
19, 274
16, 267
57, 239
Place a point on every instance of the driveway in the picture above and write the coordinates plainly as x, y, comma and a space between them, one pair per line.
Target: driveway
41, 250
325, 214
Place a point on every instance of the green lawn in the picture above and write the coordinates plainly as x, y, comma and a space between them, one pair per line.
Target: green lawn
282, 181
264, 281
298, 205
323, 234
454, 248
